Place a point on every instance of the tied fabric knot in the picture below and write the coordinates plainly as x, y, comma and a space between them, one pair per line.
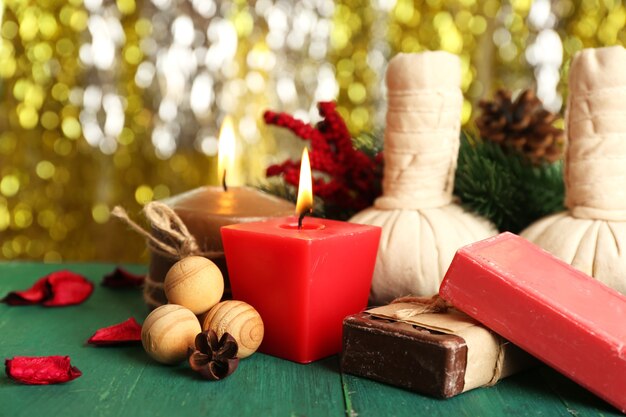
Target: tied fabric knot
436, 304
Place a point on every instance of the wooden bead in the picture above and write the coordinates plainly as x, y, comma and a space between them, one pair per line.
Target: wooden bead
168, 331
194, 282
240, 320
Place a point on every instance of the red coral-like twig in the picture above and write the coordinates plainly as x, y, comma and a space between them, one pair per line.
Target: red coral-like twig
353, 178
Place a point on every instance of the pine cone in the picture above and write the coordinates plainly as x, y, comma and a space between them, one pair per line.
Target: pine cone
523, 125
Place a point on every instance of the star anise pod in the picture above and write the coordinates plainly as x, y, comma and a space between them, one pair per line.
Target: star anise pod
212, 358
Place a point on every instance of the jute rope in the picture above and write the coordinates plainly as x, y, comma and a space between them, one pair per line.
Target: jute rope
436, 304
175, 240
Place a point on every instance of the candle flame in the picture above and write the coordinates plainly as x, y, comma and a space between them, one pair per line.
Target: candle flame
226, 149
305, 186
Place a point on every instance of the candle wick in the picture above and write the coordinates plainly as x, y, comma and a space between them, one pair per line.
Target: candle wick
301, 217
224, 186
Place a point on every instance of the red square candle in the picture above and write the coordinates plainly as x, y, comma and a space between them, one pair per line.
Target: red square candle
303, 282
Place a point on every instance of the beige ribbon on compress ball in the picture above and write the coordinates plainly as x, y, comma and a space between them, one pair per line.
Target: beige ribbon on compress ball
595, 164
434, 305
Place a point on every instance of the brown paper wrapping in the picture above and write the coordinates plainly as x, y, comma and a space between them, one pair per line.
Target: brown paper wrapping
489, 356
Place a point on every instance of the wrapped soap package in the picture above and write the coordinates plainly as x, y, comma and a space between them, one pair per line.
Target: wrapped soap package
439, 354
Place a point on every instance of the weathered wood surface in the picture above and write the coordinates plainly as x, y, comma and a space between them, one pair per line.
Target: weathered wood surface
123, 381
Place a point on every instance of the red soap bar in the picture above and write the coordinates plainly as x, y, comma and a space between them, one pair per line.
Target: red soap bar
567, 319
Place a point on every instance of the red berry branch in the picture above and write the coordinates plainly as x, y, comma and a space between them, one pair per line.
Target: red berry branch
345, 178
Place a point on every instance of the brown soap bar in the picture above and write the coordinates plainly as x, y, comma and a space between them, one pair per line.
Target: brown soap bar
404, 355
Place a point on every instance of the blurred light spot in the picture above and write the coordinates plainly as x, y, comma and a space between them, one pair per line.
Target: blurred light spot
126, 136
78, 20
222, 37
126, 6
92, 98
143, 194
114, 108
28, 117
64, 47
357, 93
286, 90
255, 82
209, 145
163, 141
62, 147
93, 5
501, 36
359, 116
9, 29
201, 95
46, 218
49, 120
145, 74
100, 213
133, 55
60, 92
183, 30
22, 216
45, 170
168, 110
71, 127
42, 51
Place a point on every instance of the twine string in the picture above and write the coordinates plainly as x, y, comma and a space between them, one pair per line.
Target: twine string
173, 239
436, 304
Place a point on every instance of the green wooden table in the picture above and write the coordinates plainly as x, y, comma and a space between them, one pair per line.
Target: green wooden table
123, 381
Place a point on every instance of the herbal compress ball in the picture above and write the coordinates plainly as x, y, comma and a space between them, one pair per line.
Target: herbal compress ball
422, 226
194, 282
168, 331
240, 320
591, 234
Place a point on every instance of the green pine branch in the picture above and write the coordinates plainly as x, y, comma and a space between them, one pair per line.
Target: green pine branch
504, 186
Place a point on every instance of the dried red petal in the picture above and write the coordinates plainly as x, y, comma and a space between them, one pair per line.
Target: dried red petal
128, 331
121, 278
61, 288
41, 370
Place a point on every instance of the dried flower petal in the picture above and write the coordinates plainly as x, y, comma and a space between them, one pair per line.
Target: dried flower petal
214, 359
121, 278
61, 288
41, 370
128, 331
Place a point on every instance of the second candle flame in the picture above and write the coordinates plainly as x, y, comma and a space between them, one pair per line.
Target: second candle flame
304, 203
226, 150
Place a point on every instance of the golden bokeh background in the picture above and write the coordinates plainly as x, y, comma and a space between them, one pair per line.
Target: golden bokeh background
119, 102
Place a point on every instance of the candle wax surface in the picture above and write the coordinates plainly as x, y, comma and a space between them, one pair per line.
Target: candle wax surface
205, 209
567, 319
302, 282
